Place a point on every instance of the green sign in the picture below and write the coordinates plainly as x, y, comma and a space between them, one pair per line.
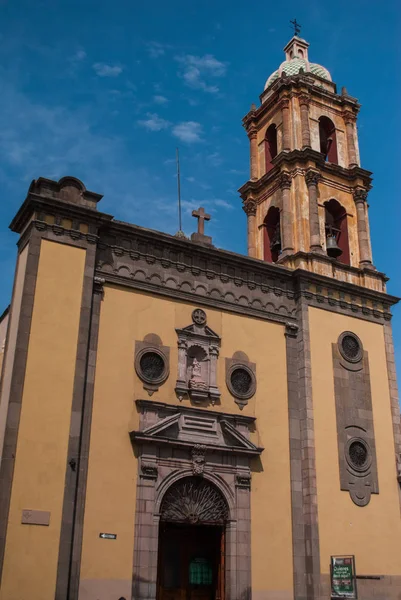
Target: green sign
343, 583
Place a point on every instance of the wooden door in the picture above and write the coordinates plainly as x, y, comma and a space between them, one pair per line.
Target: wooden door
191, 563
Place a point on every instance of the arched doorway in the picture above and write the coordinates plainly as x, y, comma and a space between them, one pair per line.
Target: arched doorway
193, 516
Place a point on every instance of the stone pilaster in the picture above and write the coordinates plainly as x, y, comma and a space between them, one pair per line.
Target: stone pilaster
285, 114
365, 255
252, 134
250, 209
312, 180
305, 130
350, 121
286, 215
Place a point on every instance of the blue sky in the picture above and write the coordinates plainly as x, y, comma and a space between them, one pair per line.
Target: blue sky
105, 91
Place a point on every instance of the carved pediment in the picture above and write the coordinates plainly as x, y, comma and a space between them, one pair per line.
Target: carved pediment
163, 424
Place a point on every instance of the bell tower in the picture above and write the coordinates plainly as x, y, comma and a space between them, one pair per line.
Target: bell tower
306, 199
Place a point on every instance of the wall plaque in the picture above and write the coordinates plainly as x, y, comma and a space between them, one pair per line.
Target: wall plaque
35, 517
343, 579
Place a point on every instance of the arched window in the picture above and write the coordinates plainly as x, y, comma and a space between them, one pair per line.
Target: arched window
272, 236
328, 139
336, 231
300, 54
270, 146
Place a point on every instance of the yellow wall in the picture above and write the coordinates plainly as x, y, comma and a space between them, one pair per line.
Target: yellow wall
372, 533
127, 316
41, 455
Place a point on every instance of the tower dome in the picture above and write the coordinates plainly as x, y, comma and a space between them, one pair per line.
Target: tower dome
296, 61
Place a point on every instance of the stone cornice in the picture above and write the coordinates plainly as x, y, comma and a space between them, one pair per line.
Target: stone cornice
299, 84
35, 204
306, 158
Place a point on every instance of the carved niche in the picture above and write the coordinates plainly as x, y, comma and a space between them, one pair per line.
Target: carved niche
198, 351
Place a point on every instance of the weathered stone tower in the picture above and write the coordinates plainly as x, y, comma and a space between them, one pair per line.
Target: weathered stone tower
306, 197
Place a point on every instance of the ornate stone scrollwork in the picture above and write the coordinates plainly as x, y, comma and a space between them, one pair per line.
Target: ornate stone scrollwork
198, 350
285, 180
249, 207
193, 500
198, 459
360, 194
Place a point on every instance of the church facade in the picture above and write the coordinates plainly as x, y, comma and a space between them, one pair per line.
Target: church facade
179, 422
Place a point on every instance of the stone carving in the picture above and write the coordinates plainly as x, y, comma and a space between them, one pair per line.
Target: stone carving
243, 481
198, 459
354, 416
193, 500
149, 471
198, 350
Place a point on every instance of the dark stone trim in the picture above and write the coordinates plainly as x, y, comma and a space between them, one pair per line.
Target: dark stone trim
83, 450
354, 420
308, 460
72, 459
298, 529
17, 386
394, 402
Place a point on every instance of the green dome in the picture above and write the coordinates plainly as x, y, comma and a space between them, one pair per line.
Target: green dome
293, 67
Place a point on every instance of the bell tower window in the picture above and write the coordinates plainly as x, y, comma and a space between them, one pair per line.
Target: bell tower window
336, 227
270, 146
272, 235
328, 139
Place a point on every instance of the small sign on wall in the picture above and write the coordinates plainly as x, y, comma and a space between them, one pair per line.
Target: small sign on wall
343, 577
35, 517
108, 536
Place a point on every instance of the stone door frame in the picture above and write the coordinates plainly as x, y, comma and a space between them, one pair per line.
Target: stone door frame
165, 461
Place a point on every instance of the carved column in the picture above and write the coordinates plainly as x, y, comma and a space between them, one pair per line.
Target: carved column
252, 134
250, 209
182, 362
286, 215
285, 114
304, 102
365, 256
312, 180
350, 121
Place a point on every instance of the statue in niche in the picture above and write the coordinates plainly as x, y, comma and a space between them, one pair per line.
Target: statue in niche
198, 351
196, 381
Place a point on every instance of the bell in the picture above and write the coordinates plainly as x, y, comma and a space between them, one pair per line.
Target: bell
333, 249
275, 246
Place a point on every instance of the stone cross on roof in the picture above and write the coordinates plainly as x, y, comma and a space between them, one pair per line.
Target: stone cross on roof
200, 236
202, 217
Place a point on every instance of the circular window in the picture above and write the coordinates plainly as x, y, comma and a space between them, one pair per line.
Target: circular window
350, 346
151, 367
358, 454
199, 316
241, 381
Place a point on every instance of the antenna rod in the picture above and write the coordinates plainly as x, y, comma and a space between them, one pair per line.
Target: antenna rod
179, 191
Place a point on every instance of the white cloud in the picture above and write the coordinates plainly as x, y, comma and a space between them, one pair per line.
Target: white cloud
156, 49
154, 122
214, 159
79, 55
104, 70
190, 179
160, 99
188, 131
223, 204
197, 70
